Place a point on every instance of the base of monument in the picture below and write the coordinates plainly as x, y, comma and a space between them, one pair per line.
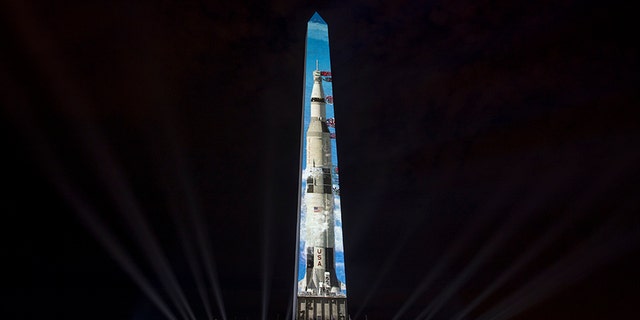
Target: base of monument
322, 308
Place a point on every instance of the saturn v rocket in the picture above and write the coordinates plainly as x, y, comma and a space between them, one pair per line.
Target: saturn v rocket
320, 288
320, 277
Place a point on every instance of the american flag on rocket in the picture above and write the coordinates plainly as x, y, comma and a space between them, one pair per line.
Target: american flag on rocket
331, 122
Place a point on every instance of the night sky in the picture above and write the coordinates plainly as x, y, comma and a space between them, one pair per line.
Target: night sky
488, 157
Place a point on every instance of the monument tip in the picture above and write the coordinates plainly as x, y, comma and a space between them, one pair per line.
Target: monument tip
317, 18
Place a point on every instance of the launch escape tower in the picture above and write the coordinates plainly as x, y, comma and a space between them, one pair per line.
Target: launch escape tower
320, 289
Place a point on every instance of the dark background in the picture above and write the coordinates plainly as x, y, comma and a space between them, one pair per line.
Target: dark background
476, 139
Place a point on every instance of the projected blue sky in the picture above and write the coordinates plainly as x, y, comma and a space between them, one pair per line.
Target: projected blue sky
318, 55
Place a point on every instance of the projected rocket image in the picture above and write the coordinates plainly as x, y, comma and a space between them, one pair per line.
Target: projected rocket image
321, 283
320, 275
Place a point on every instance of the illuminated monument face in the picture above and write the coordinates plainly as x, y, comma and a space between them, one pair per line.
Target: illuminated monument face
321, 283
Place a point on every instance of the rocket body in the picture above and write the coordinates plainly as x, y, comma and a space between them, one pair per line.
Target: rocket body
320, 277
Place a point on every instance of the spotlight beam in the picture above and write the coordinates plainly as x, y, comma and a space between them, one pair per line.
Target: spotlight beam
64, 90
89, 217
194, 266
388, 264
202, 239
463, 238
606, 179
266, 268
266, 238
107, 240
597, 251
268, 176
507, 230
539, 245
194, 214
